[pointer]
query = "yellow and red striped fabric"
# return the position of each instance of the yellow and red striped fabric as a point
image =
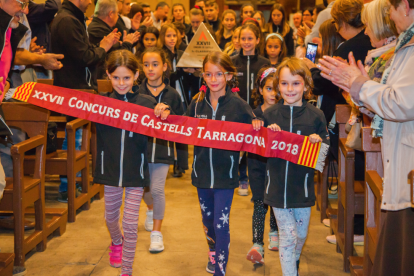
(23, 92)
(309, 153)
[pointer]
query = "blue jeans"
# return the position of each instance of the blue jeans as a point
(215, 208)
(293, 227)
(63, 187)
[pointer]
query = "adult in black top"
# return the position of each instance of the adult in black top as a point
(39, 17)
(69, 37)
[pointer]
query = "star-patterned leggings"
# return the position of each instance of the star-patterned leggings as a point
(293, 229)
(215, 208)
(259, 216)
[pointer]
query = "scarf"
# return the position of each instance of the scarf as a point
(377, 123)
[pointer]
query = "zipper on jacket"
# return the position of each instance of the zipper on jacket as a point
(141, 169)
(287, 162)
(252, 82)
(121, 161)
(211, 150)
(155, 140)
(268, 182)
(232, 164)
(306, 185)
(248, 74)
(168, 146)
(5, 34)
(102, 162)
(195, 159)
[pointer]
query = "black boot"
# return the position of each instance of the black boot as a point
(297, 266)
(177, 171)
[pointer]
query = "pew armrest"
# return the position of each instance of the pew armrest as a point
(374, 180)
(369, 144)
(24, 146)
(411, 182)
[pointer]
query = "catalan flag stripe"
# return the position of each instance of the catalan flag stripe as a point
(308, 156)
(302, 150)
(315, 160)
(23, 92)
(312, 159)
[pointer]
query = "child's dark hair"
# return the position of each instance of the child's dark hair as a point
(223, 60)
(163, 56)
(140, 46)
(256, 31)
(297, 67)
(260, 83)
(279, 37)
(122, 58)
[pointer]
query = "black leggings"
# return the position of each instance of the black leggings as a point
(259, 216)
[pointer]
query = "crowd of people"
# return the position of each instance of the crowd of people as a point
(261, 77)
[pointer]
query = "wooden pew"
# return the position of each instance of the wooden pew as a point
(45, 81)
(104, 86)
(25, 190)
(6, 264)
(321, 191)
(411, 182)
(350, 192)
(373, 195)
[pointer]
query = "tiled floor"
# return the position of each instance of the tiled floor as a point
(83, 249)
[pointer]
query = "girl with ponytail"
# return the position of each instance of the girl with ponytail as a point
(215, 171)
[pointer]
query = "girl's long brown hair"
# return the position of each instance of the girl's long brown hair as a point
(330, 38)
(220, 32)
(163, 31)
(285, 25)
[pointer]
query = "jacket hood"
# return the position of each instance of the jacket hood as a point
(69, 6)
(252, 57)
(223, 99)
(144, 89)
(297, 110)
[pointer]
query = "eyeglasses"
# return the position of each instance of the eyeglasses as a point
(218, 76)
(23, 4)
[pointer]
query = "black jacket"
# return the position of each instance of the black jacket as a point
(122, 159)
(178, 75)
(69, 37)
(290, 185)
(359, 45)
(288, 39)
(97, 30)
(162, 151)
(217, 168)
(16, 35)
(257, 167)
(247, 68)
(215, 24)
(39, 17)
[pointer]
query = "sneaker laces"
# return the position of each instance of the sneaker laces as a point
(212, 256)
(156, 238)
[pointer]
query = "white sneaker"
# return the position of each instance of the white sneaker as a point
(327, 222)
(149, 222)
(157, 244)
(358, 239)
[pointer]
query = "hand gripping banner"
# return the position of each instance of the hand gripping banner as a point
(186, 130)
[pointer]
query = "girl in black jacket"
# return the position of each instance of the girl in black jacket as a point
(215, 171)
(289, 187)
(161, 152)
(248, 62)
(169, 40)
(123, 164)
(264, 97)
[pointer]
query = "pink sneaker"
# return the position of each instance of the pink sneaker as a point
(115, 256)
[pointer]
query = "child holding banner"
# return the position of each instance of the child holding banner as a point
(161, 152)
(265, 97)
(117, 166)
(215, 171)
(289, 186)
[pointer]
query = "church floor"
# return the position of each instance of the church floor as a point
(83, 249)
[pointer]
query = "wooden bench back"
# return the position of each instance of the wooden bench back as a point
(31, 119)
(343, 112)
(45, 81)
